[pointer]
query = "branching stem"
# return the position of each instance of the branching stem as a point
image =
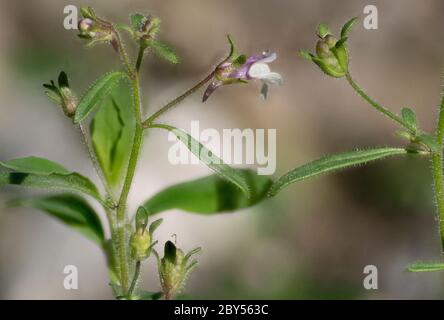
(377, 106)
(177, 100)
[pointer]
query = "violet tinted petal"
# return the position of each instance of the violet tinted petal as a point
(210, 89)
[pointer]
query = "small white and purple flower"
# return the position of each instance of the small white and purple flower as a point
(254, 68)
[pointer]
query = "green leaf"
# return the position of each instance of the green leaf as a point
(210, 195)
(71, 210)
(112, 132)
(163, 51)
(96, 93)
(347, 27)
(425, 267)
(34, 165)
(72, 182)
(331, 163)
(323, 30)
(409, 116)
(208, 158)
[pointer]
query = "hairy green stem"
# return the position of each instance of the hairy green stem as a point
(121, 208)
(437, 169)
(377, 106)
(139, 59)
(96, 165)
(135, 277)
(177, 100)
(123, 54)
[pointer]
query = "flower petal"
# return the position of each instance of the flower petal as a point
(259, 70)
(273, 78)
(268, 57)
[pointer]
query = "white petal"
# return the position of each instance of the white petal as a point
(273, 78)
(259, 70)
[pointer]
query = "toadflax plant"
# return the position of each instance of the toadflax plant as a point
(114, 138)
(109, 117)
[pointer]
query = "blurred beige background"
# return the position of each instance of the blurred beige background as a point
(315, 238)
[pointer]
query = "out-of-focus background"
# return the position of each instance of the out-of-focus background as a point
(315, 238)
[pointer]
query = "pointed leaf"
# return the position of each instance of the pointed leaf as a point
(426, 267)
(331, 163)
(112, 132)
(35, 165)
(163, 51)
(72, 210)
(61, 182)
(209, 195)
(347, 27)
(96, 93)
(207, 157)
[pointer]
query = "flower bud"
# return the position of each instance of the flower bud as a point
(69, 101)
(145, 28)
(140, 243)
(174, 269)
(331, 54)
(322, 49)
(62, 95)
(95, 29)
(330, 41)
(85, 24)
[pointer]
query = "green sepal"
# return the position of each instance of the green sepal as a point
(347, 27)
(409, 116)
(323, 30)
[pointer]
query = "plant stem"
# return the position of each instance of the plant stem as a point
(437, 168)
(123, 53)
(121, 208)
(377, 106)
(96, 164)
(136, 276)
(177, 100)
(139, 59)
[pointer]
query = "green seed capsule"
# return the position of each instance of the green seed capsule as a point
(139, 244)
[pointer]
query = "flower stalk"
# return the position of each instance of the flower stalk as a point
(437, 170)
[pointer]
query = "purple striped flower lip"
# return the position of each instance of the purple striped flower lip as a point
(255, 68)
